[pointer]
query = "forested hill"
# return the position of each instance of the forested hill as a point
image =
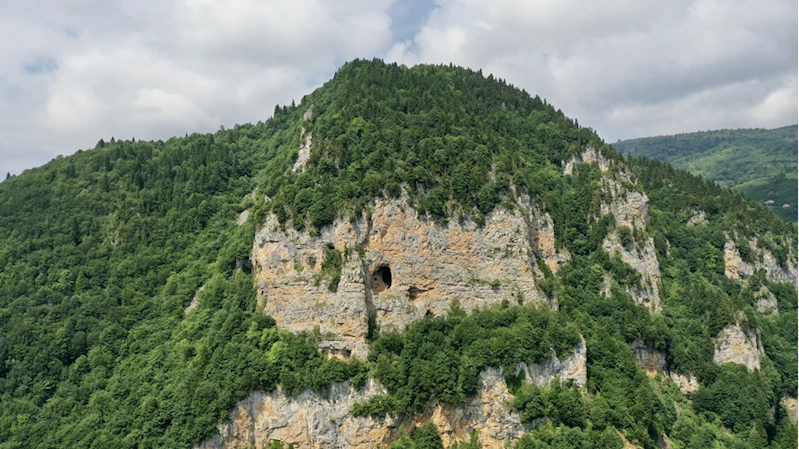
(129, 316)
(760, 163)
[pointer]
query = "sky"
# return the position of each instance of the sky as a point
(75, 71)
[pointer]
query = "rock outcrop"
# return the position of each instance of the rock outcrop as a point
(733, 345)
(766, 302)
(572, 368)
(736, 268)
(309, 420)
(654, 363)
(398, 267)
(789, 404)
(631, 210)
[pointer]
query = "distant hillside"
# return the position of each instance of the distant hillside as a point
(759, 163)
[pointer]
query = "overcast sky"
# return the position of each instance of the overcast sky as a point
(75, 71)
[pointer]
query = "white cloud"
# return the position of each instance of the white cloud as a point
(629, 68)
(152, 69)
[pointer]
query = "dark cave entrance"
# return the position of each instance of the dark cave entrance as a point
(381, 279)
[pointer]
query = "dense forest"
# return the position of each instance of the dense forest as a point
(127, 308)
(759, 163)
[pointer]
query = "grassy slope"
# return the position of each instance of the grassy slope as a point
(759, 163)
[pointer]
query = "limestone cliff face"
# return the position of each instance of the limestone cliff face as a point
(652, 361)
(736, 268)
(733, 345)
(309, 420)
(572, 368)
(398, 267)
(630, 208)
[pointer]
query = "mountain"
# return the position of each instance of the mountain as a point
(413, 258)
(759, 163)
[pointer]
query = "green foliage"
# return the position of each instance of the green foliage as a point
(331, 268)
(102, 252)
(444, 135)
(561, 404)
(442, 357)
(548, 436)
(756, 162)
(423, 437)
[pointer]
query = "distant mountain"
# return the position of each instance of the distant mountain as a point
(759, 163)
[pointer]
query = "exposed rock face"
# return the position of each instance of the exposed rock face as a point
(631, 209)
(698, 217)
(736, 268)
(789, 404)
(243, 216)
(307, 421)
(643, 260)
(305, 149)
(766, 301)
(487, 412)
(588, 156)
(686, 384)
(572, 368)
(652, 361)
(735, 346)
(312, 421)
(430, 266)
(303, 155)
(195, 301)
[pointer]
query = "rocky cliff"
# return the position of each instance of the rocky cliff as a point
(736, 268)
(396, 266)
(733, 345)
(310, 420)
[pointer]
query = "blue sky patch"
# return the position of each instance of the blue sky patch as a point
(41, 65)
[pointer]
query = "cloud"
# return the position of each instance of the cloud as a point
(82, 70)
(629, 68)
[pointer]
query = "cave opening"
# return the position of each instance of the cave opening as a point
(381, 279)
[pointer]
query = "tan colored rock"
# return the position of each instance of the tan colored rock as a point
(733, 345)
(789, 404)
(737, 268)
(734, 266)
(307, 421)
(488, 412)
(645, 262)
(686, 384)
(652, 361)
(430, 266)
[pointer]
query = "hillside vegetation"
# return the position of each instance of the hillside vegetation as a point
(102, 252)
(759, 163)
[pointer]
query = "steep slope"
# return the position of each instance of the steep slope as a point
(756, 162)
(463, 264)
